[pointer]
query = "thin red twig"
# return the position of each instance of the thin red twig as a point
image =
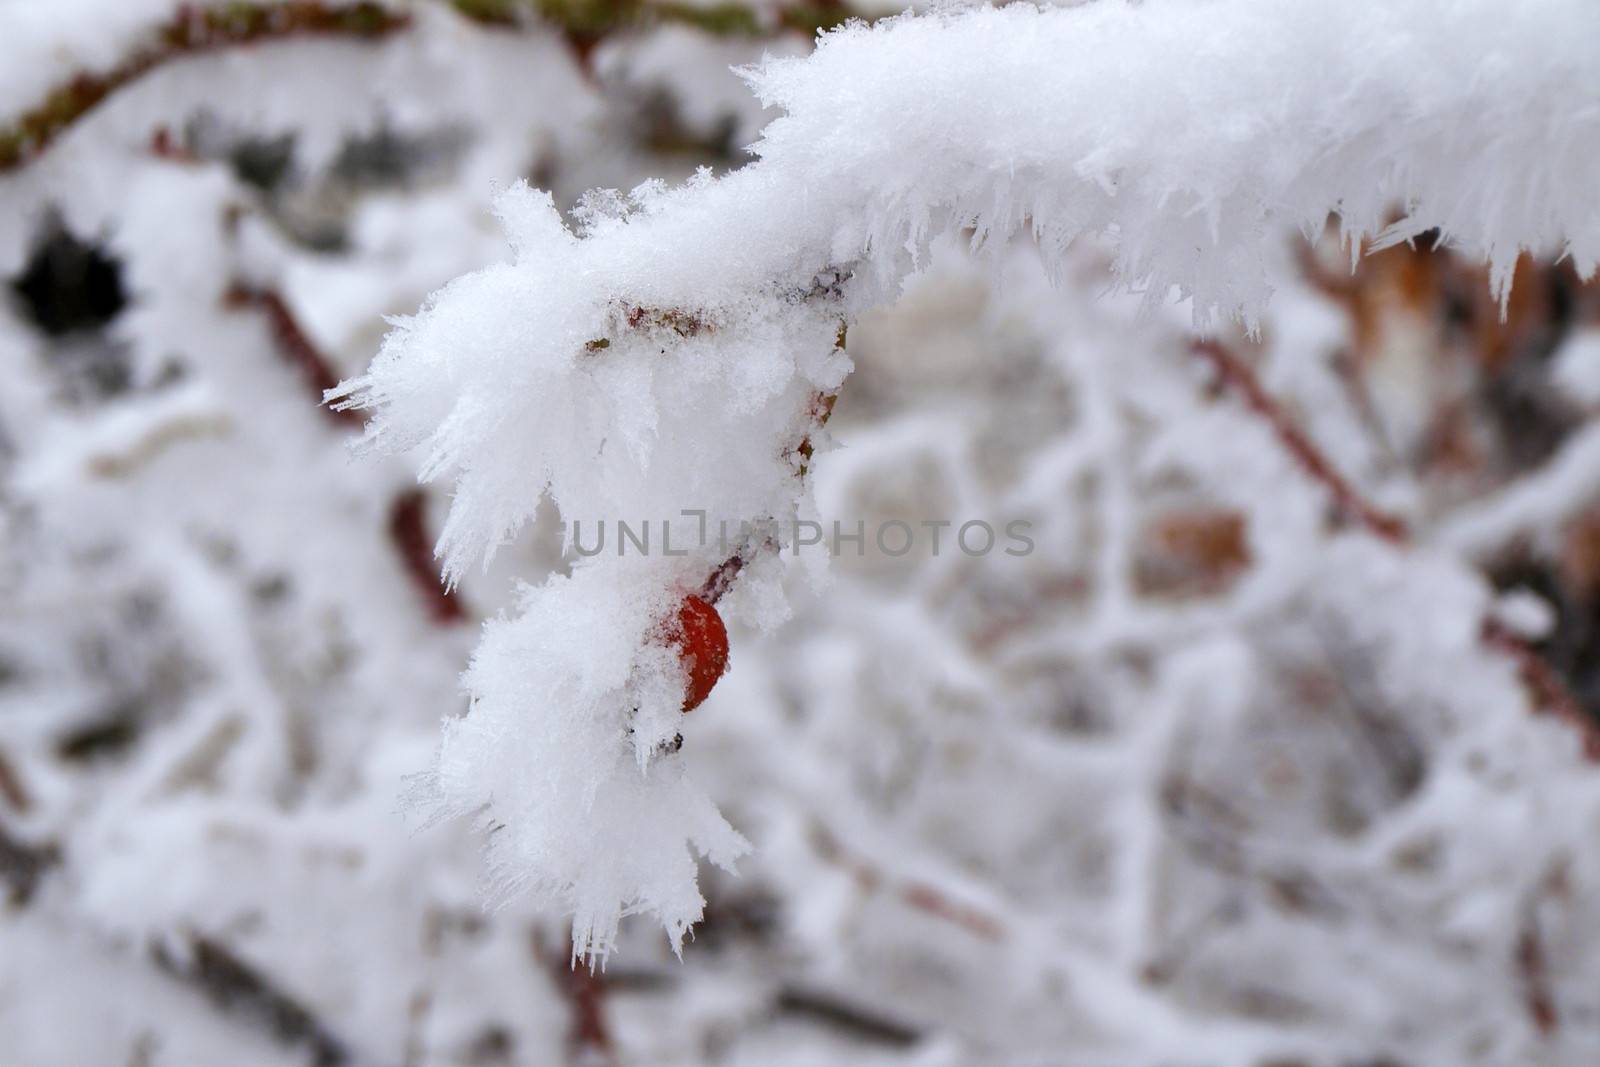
(920, 896)
(1235, 373)
(589, 1036)
(1531, 958)
(820, 411)
(408, 531)
(23, 864)
(589, 1040)
(1551, 694)
(1535, 971)
(408, 512)
(164, 145)
(11, 787)
(295, 345)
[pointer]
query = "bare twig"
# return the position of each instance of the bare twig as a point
(238, 988)
(801, 1001)
(841, 1015)
(22, 864)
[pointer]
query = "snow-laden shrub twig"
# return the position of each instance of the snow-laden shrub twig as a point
(1545, 686)
(1190, 135)
(192, 29)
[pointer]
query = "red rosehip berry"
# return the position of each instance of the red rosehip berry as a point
(701, 640)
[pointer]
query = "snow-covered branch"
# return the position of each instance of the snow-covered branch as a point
(1188, 136)
(1233, 762)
